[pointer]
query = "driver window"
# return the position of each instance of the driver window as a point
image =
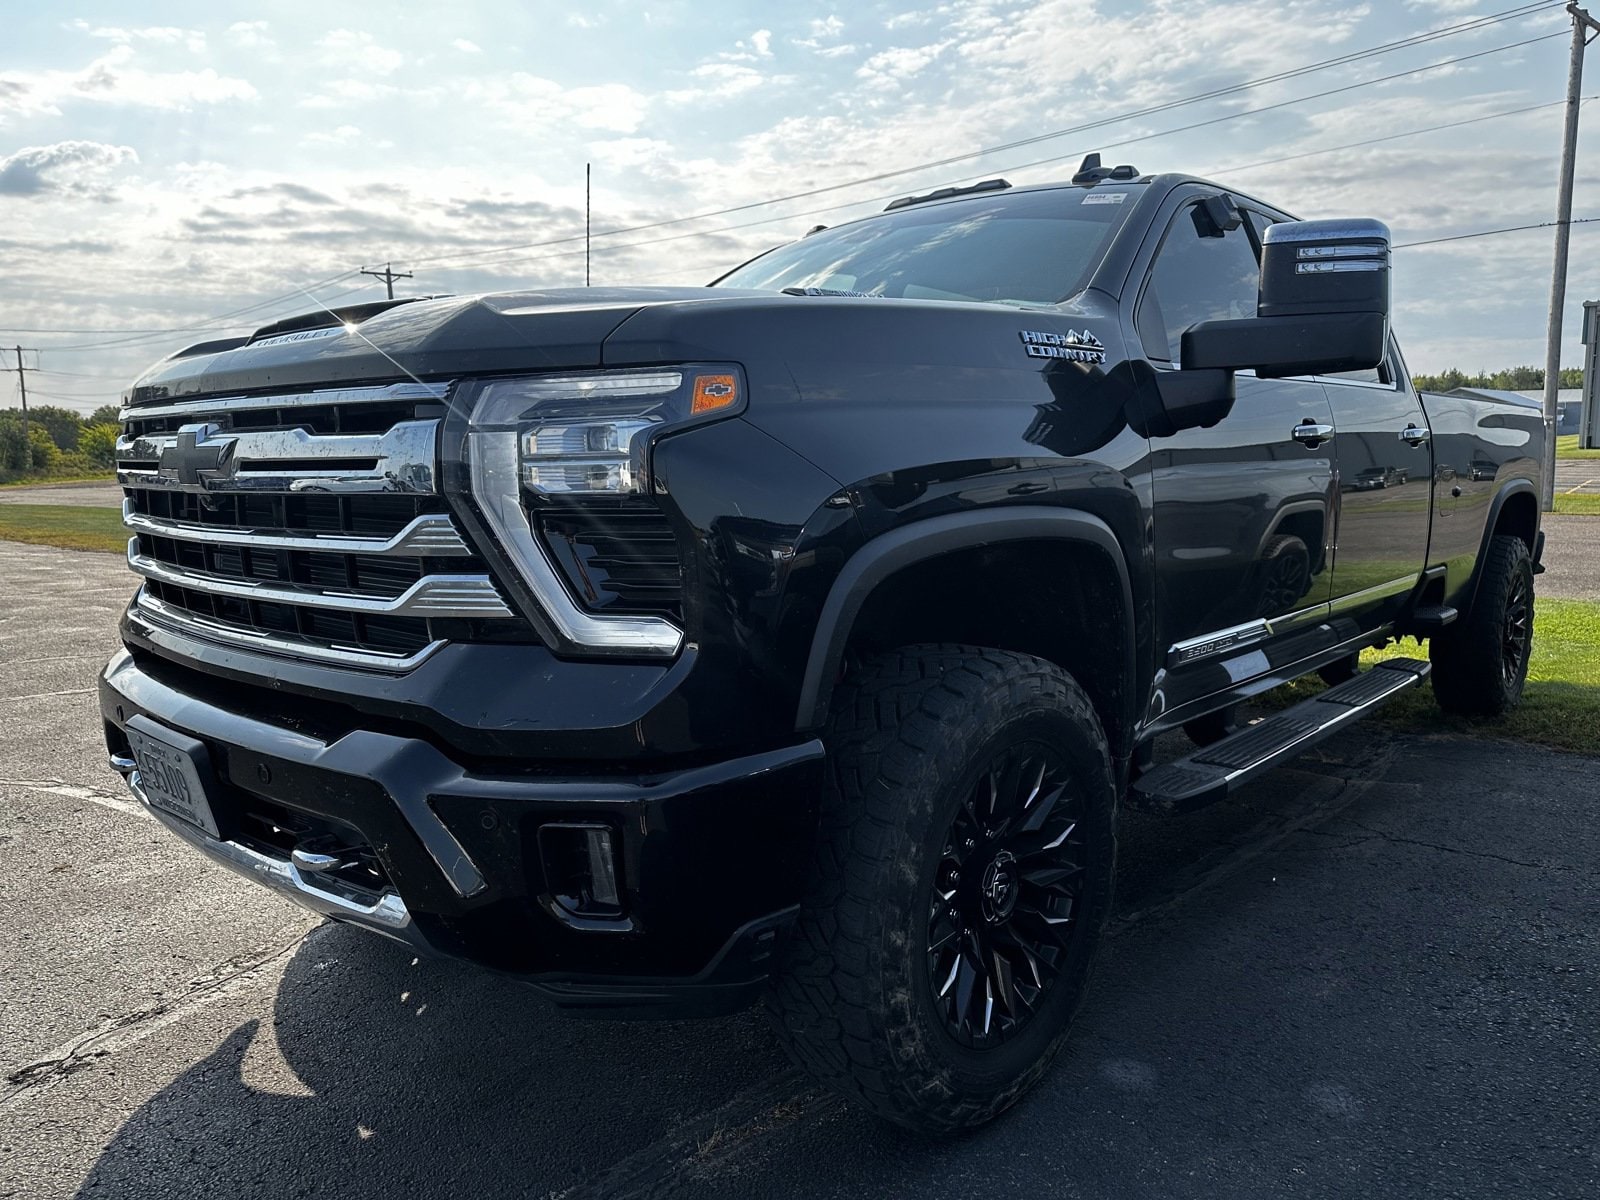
(1195, 278)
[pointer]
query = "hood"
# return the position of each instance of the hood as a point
(559, 329)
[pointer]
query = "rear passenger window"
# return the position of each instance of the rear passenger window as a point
(1194, 279)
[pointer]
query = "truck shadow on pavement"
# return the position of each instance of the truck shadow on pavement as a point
(414, 1078)
(423, 1078)
(1358, 978)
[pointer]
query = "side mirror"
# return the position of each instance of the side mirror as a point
(1323, 305)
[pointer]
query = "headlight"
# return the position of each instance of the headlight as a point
(532, 440)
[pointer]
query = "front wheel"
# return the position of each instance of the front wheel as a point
(1480, 663)
(961, 883)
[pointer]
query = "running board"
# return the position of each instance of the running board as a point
(1213, 771)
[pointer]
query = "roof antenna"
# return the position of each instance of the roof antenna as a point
(1091, 171)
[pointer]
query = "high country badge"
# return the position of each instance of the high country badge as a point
(1074, 346)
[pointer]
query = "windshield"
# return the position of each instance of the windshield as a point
(1017, 248)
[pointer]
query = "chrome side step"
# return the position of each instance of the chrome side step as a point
(1213, 771)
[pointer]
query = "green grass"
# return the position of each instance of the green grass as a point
(1560, 708)
(38, 481)
(1583, 504)
(71, 526)
(1567, 447)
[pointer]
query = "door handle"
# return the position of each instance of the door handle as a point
(1413, 435)
(1309, 433)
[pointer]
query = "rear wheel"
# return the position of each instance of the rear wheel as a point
(1480, 663)
(961, 883)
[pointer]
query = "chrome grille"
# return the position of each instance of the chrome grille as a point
(307, 525)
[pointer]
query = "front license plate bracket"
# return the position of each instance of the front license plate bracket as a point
(174, 772)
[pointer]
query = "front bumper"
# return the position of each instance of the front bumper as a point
(710, 857)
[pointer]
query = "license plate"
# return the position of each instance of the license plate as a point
(171, 767)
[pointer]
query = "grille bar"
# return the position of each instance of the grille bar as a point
(430, 596)
(196, 410)
(430, 535)
(160, 613)
(205, 457)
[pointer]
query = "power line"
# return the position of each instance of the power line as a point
(388, 275)
(1216, 93)
(142, 337)
(1033, 163)
(1461, 237)
(22, 387)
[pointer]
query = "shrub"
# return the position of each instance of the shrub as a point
(63, 424)
(98, 444)
(46, 454)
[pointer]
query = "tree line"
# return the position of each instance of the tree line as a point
(1510, 379)
(59, 443)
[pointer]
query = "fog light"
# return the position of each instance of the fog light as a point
(580, 868)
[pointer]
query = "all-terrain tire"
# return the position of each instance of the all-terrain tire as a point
(1480, 663)
(914, 740)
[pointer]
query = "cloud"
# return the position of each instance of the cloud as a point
(250, 33)
(114, 78)
(353, 48)
(193, 40)
(70, 168)
(466, 47)
(761, 42)
(532, 100)
(891, 68)
(343, 135)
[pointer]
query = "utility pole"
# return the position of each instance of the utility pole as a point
(22, 386)
(1582, 23)
(388, 276)
(587, 167)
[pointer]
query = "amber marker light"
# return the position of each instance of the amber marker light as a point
(712, 392)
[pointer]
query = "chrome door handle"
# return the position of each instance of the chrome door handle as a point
(1312, 434)
(1413, 435)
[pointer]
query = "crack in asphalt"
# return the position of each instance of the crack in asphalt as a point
(1376, 834)
(84, 1051)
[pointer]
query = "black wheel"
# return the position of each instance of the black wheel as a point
(1283, 575)
(1214, 726)
(1480, 663)
(962, 879)
(1341, 670)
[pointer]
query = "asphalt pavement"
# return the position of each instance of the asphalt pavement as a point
(1577, 476)
(1372, 973)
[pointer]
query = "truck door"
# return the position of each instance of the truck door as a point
(1385, 462)
(1242, 510)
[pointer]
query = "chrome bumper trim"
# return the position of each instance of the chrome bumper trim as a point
(389, 916)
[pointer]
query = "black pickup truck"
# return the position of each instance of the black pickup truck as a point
(799, 636)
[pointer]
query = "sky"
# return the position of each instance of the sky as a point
(164, 166)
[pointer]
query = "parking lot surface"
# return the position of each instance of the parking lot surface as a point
(1373, 973)
(93, 495)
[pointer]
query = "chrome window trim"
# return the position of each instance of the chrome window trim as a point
(432, 535)
(158, 613)
(430, 596)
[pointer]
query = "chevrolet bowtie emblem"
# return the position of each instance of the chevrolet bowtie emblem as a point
(197, 456)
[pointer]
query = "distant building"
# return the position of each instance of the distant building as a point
(1569, 403)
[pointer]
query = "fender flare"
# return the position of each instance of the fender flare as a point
(1511, 488)
(927, 538)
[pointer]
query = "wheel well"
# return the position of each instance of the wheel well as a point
(1519, 516)
(1058, 600)
(1307, 526)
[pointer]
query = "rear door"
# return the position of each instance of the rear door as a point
(1242, 511)
(1384, 456)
